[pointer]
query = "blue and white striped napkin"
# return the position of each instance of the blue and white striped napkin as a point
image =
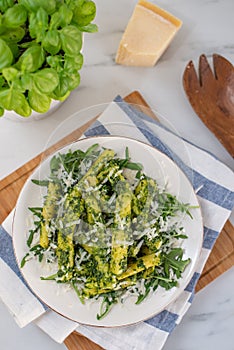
(214, 184)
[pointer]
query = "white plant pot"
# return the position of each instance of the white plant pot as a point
(11, 115)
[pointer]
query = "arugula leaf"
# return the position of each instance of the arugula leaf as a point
(91, 149)
(133, 166)
(78, 292)
(50, 278)
(108, 301)
(127, 156)
(40, 182)
(36, 210)
(24, 260)
(30, 238)
(126, 163)
(149, 285)
(54, 164)
(169, 205)
(173, 261)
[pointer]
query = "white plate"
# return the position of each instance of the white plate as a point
(64, 300)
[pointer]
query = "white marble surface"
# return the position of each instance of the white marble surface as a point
(208, 28)
(207, 325)
(209, 322)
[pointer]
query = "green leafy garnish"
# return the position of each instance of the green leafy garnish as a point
(173, 261)
(107, 302)
(40, 51)
(108, 230)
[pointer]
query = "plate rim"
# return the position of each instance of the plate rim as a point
(179, 291)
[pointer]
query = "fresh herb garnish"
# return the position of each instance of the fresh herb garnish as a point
(108, 235)
(40, 50)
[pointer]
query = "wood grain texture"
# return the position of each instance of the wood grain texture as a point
(220, 259)
(77, 341)
(212, 96)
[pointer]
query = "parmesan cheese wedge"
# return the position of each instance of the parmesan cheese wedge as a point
(148, 33)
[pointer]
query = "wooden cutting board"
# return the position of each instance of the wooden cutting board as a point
(220, 259)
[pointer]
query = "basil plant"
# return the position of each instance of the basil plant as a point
(40, 51)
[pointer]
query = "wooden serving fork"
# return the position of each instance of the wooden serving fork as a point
(211, 95)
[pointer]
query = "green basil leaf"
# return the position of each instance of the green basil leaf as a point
(55, 62)
(73, 63)
(90, 28)
(15, 16)
(20, 105)
(33, 5)
(71, 39)
(27, 81)
(17, 85)
(5, 4)
(60, 98)
(2, 81)
(6, 56)
(1, 111)
(67, 81)
(73, 80)
(55, 20)
(39, 102)
(65, 15)
(38, 24)
(13, 35)
(10, 73)
(32, 59)
(51, 42)
(14, 49)
(84, 13)
(11, 99)
(63, 85)
(45, 80)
